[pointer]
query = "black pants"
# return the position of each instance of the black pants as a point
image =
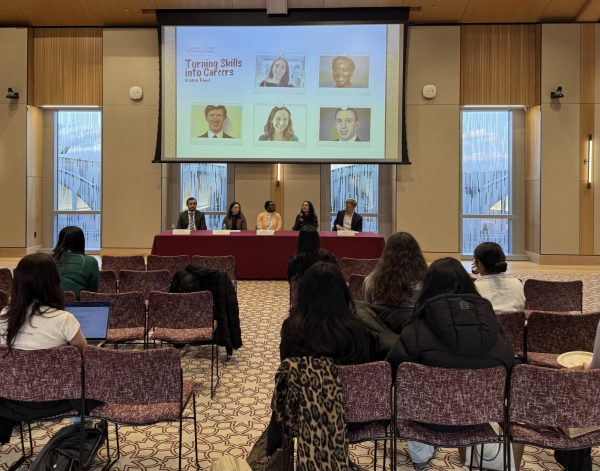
(574, 460)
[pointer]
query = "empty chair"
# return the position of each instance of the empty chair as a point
(470, 398)
(513, 326)
(224, 263)
(356, 287)
(143, 387)
(108, 282)
(558, 296)
(367, 401)
(357, 266)
(183, 318)
(127, 315)
(552, 333)
(117, 263)
(172, 263)
(144, 281)
(70, 296)
(6, 280)
(543, 400)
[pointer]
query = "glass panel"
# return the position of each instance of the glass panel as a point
(215, 221)
(208, 184)
(89, 223)
(478, 230)
(358, 181)
(487, 162)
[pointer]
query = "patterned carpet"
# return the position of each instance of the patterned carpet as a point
(241, 409)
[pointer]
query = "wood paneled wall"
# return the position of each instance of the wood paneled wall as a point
(67, 66)
(500, 65)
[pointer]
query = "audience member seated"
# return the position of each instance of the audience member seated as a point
(348, 219)
(234, 219)
(269, 219)
(504, 292)
(452, 327)
(308, 252)
(306, 217)
(394, 286)
(78, 272)
(34, 320)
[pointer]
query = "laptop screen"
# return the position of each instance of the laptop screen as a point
(92, 316)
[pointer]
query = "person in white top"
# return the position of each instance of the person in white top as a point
(35, 319)
(504, 292)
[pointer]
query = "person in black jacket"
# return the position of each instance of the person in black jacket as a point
(452, 326)
(306, 217)
(348, 219)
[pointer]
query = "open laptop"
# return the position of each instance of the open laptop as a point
(92, 316)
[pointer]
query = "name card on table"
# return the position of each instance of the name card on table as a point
(346, 233)
(221, 232)
(180, 231)
(265, 232)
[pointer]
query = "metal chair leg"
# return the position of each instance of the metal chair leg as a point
(180, 440)
(195, 431)
(375, 456)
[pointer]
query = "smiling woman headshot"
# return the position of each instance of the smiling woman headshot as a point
(279, 74)
(279, 126)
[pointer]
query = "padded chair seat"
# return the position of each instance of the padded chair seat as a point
(551, 438)
(359, 432)
(125, 334)
(182, 335)
(469, 435)
(547, 360)
(136, 414)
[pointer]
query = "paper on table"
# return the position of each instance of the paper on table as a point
(346, 233)
(265, 232)
(180, 231)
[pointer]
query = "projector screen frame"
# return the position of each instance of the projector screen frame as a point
(295, 17)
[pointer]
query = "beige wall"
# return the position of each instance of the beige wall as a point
(35, 176)
(252, 189)
(131, 198)
(13, 138)
(428, 190)
(302, 182)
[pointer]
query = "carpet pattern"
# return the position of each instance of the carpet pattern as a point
(232, 422)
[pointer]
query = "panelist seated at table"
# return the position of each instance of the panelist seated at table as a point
(234, 219)
(191, 219)
(269, 219)
(348, 219)
(306, 217)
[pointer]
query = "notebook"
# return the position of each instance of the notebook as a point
(92, 316)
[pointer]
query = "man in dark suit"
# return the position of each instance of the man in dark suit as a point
(348, 219)
(347, 124)
(215, 117)
(191, 219)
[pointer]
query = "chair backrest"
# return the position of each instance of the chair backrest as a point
(108, 282)
(6, 280)
(357, 266)
(356, 286)
(551, 397)
(513, 326)
(144, 281)
(117, 263)
(126, 309)
(41, 375)
(558, 296)
(70, 296)
(180, 310)
(224, 263)
(137, 377)
(454, 396)
(173, 263)
(367, 391)
(3, 299)
(555, 332)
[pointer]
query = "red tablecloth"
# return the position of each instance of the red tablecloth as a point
(263, 257)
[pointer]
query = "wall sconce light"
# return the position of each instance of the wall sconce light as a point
(557, 93)
(12, 95)
(278, 177)
(589, 160)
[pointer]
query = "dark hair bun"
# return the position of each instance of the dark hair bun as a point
(501, 267)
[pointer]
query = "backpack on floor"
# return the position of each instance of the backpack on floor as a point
(61, 453)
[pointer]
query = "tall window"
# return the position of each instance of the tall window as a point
(208, 184)
(487, 179)
(361, 182)
(78, 163)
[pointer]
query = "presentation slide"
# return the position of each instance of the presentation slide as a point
(282, 93)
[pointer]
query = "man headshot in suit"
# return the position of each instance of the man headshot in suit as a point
(348, 219)
(342, 68)
(215, 117)
(191, 219)
(347, 124)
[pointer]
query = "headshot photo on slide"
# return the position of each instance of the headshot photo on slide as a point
(279, 70)
(280, 123)
(345, 124)
(344, 71)
(216, 121)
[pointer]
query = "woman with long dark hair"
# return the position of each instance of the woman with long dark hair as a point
(77, 270)
(306, 217)
(279, 74)
(308, 252)
(234, 219)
